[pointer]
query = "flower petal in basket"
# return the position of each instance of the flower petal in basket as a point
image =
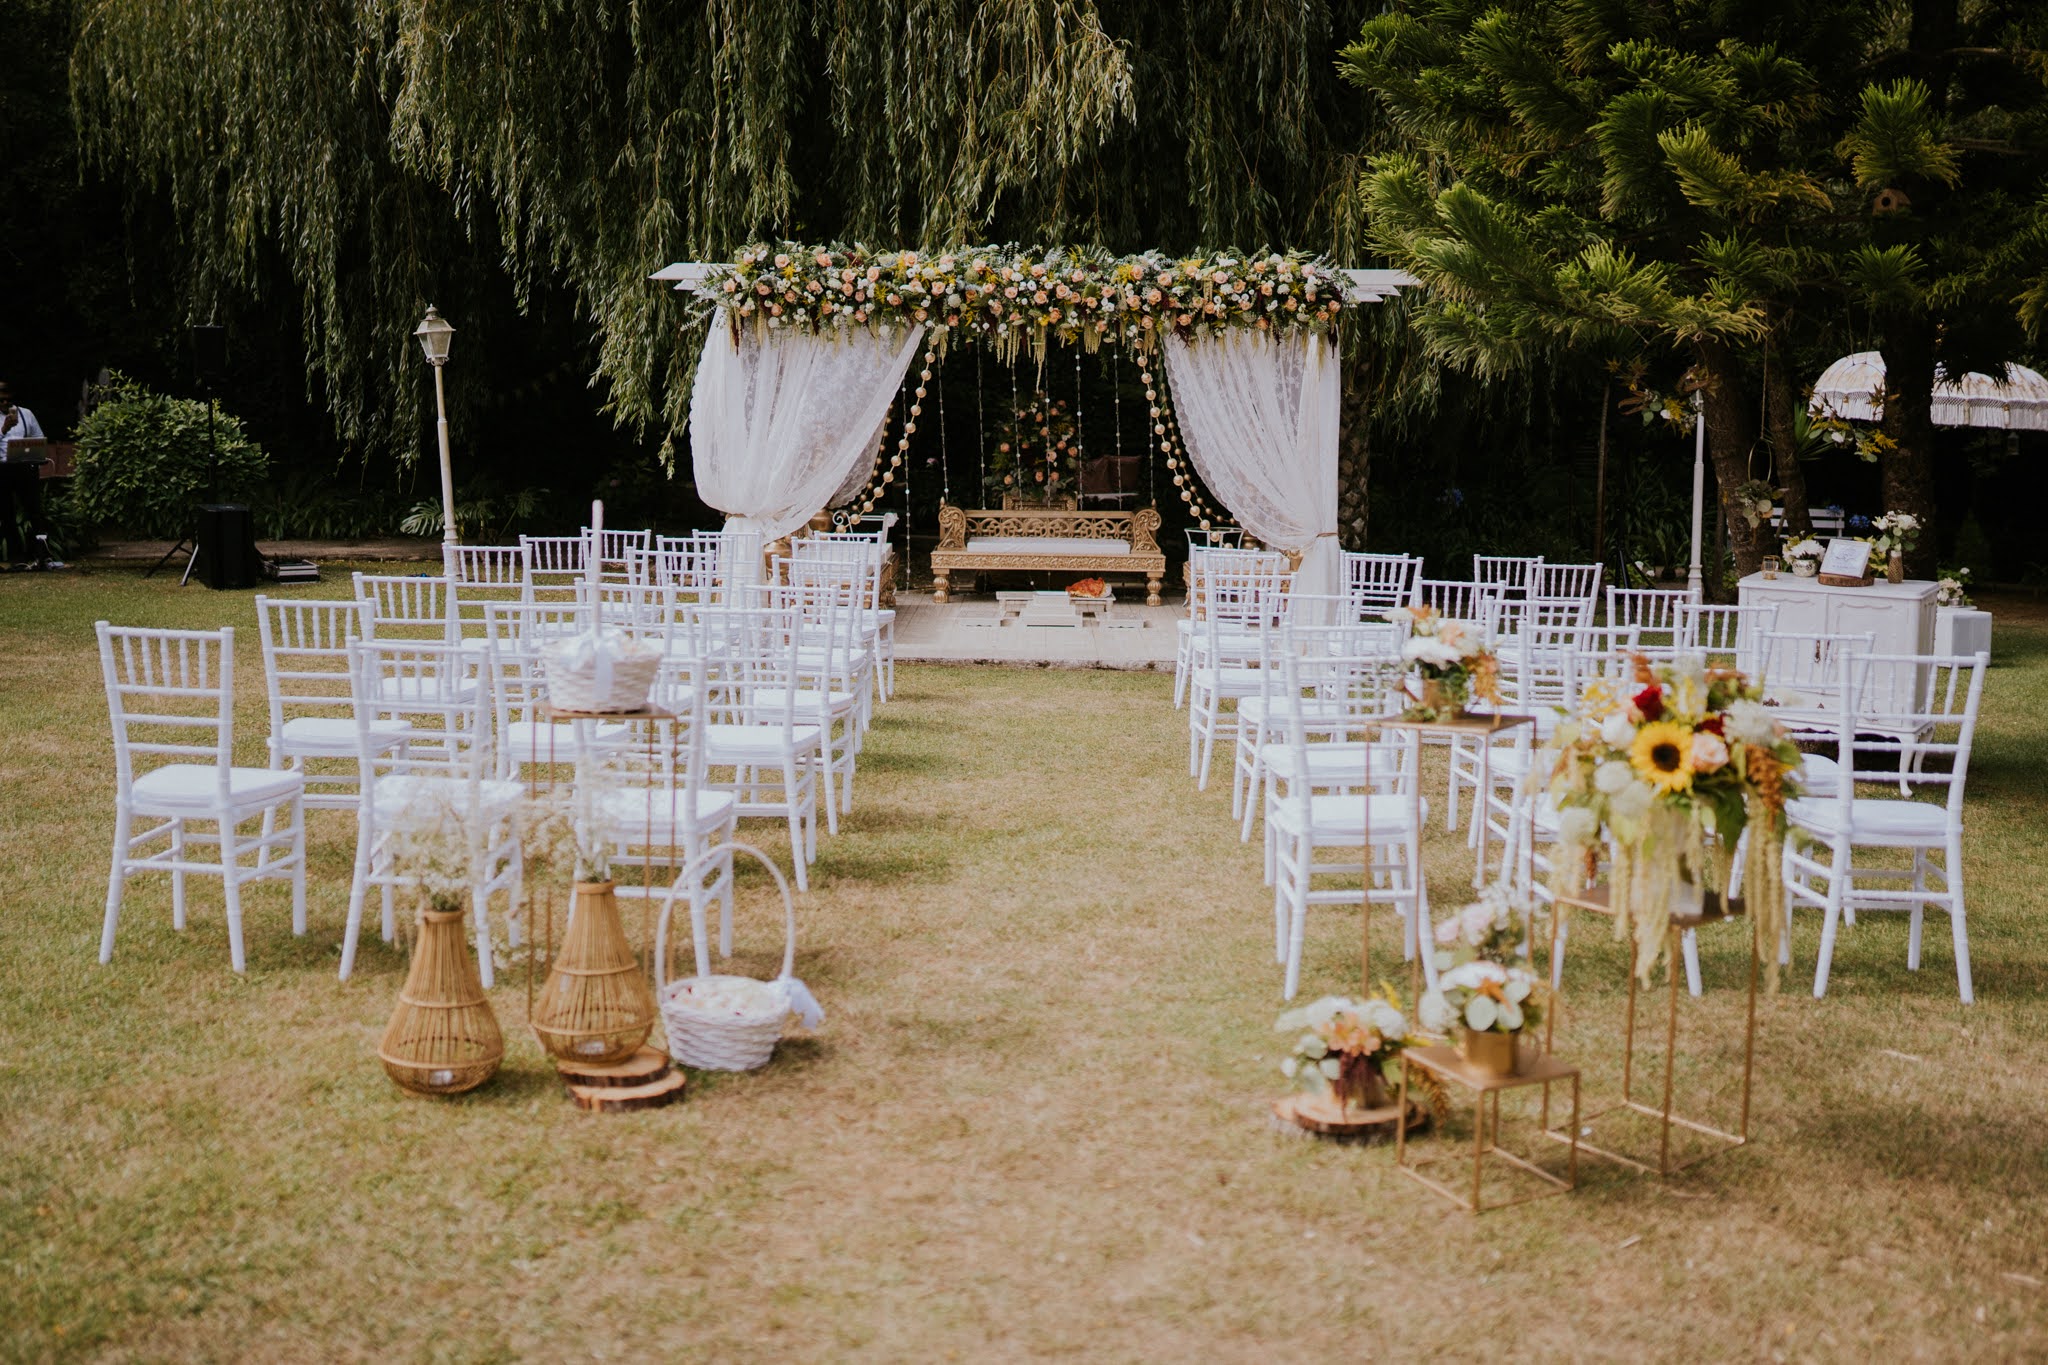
(599, 671)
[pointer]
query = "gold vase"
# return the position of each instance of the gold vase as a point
(1436, 697)
(1895, 568)
(1365, 1090)
(442, 1038)
(596, 1005)
(1491, 1052)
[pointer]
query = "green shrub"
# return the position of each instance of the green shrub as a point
(145, 463)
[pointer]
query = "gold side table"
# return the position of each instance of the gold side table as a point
(1449, 1068)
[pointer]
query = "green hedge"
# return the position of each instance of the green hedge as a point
(144, 461)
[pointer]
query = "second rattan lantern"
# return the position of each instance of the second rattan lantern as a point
(596, 1005)
(442, 1038)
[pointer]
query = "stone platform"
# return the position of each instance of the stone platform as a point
(1034, 628)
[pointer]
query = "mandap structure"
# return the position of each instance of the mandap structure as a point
(809, 345)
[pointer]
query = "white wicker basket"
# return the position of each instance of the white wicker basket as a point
(728, 1023)
(604, 673)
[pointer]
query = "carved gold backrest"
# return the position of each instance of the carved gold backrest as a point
(1139, 528)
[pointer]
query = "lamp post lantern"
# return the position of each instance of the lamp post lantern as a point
(434, 334)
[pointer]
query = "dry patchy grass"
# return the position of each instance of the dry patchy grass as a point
(1035, 1123)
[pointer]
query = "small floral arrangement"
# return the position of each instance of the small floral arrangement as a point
(1897, 533)
(1672, 768)
(1351, 1048)
(1485, 997)
(1754, 502)
(1449, 654)
(1807, 551)
(1026, 293)
(1494, 928)
(1952, 588)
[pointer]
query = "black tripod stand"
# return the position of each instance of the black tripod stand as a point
(209, 360)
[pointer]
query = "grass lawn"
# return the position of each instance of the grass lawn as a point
(1035, 1122)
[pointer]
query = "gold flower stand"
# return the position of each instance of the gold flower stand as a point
(1712, 911)
(1444, 1063)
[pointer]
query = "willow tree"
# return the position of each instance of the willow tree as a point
(1696, 179)
(352, 149)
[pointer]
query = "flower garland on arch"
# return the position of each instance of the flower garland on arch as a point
(1026, 297)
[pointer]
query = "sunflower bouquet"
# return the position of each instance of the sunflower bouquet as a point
(1668, 769)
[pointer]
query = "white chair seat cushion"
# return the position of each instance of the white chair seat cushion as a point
(1231, 682)
(1332, 764)
(337, 735)
(527, 741)
(196, 786)
(1873, 821)
(725, 745)
(1340, 816)
(497, 798)
(1819, 776)
(1260, 709)
(629, 813)
(1046, 545)
(773, 699)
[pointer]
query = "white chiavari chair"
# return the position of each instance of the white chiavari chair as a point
(1901, 710)
(171, 701)
(1726, 635)
(1510, 575)
(479, 574)
(1654, 614)
(306, 676)
(1367, 814)
(1191, 637)
(1236, 606)
(1580, 582)
(443, 772)
(556, 566)
(760, 742)
(1376, 584)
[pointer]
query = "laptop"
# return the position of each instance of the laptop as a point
(27, 450)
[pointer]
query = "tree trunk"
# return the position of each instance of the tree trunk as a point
(1781, 403)
(1908, 467)
(1731, 437)
(1354, 460)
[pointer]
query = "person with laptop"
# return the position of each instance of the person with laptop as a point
(21, 485)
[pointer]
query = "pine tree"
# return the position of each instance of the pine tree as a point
(1712, 182)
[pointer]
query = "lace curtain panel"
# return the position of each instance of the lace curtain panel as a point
(1259, 414)
(781, 422)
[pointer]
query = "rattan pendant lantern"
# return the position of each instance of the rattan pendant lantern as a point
(442, 1038)
(596, 1005)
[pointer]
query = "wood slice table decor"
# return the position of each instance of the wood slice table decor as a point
(1325, 1117)
(443, 1038)
(648, 1064)
(644, 1080)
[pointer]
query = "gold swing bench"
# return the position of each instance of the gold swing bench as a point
(1017, 539)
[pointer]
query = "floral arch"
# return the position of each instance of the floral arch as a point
(809, 344)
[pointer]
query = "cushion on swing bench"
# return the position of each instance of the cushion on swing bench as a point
(1046, 545)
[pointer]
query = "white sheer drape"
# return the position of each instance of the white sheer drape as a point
(781, 421)
(1259, 414)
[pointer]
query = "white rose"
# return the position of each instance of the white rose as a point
(1631, 803)
(1613, 776)
(1577, 825)
(1616, 732)
(1434, 1011)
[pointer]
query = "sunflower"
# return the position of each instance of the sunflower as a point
(1662, 756)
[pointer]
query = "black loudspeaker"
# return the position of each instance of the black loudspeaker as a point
(227, 546)
(210, 355)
